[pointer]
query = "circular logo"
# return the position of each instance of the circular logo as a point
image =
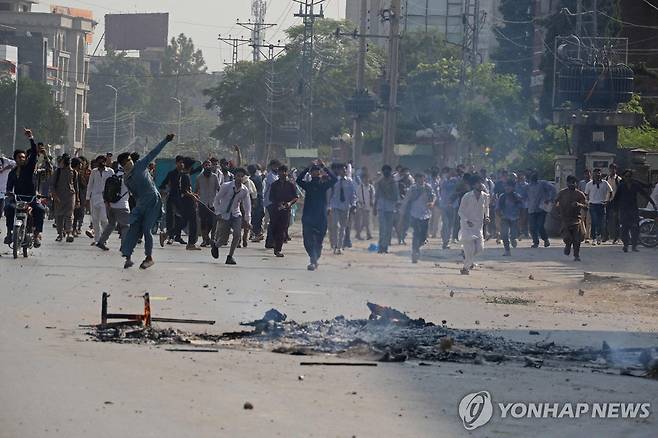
(475, 409)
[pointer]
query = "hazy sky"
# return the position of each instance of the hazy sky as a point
(202, 20)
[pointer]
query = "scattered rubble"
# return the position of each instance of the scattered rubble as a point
(389, 335)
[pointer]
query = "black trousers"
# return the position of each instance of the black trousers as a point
(630, 227)
(171, 221)
(314, 235)
(279, 221)
(257, 215)
(188, 209)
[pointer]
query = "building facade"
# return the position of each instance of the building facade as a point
(444, 16)
(52, 48)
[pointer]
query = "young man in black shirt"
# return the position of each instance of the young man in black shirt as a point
(283, 196)
(625, 202)
(21, 182)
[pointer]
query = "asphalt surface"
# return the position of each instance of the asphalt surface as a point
(56, 382)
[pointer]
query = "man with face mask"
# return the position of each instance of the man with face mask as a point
(314, 217)
(207, 186)
(95, 201)
(148, 207)
(65, 193)
(21, 182)
(570, 203)
(387, 200)
(473, 214)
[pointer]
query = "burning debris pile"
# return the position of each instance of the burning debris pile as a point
(391, 336)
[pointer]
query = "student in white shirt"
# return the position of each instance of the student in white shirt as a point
(95, 200)
(598, 194)
(231, 201)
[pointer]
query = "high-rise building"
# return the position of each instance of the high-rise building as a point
(52, 47)
(444, 16)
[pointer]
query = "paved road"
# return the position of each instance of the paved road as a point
(55, 382)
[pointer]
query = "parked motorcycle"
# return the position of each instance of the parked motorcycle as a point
(648, 227)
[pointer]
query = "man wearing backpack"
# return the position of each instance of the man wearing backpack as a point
(116, 197)
(95, 200)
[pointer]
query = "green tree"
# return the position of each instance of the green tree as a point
(644, 136)
(35, 110)
(490, 114)
(515, 36)
(241, 96)
(129, 75)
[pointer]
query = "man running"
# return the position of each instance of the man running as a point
(232, 199)
(148, 207)
(418, 205)
(387, 200)
(283, 196)
(314, 217)
(626, 203)
(571, 203)
(473, 213)
(95, 201)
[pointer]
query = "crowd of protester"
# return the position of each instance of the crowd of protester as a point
(222, 204)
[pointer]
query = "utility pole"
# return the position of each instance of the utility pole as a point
(114, 133)
(308, 15)
(357, 130)
(180, 116)
(235, 43)
(270, 56)
(392, 78)
(256, 25)
(472, 23)
(18, 73)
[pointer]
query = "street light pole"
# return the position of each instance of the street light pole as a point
(16, 106)
(114, 135)
(180, 115)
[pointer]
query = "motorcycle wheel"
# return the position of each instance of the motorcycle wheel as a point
(17, 241)
(649, 234)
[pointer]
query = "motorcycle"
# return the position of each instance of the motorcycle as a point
(648, 228)
(22, 238)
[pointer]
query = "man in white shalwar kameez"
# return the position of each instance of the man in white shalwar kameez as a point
(473, 214)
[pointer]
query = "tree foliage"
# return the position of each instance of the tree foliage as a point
(515, 37)
(146, 93)
(35, 109)
(242, 96)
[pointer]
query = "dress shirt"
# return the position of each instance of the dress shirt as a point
(240, 198)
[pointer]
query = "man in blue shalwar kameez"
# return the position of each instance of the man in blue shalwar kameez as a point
(148, 209)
